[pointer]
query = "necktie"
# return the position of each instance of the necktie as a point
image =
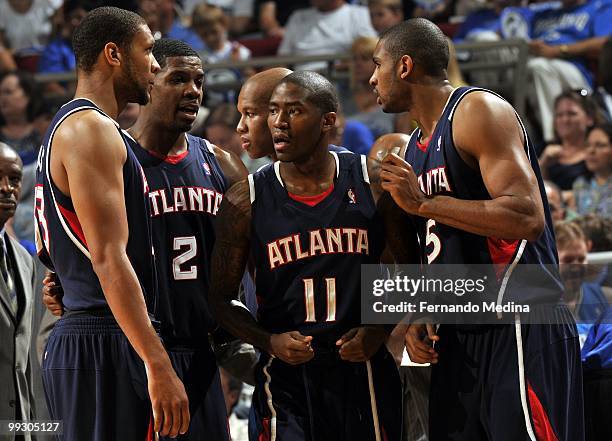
(6, 275)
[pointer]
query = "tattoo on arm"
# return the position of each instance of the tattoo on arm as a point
(229, 260)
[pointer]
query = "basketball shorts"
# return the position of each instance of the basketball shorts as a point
(198, 371)
(517, 382)
(95, 382)
(326, 399)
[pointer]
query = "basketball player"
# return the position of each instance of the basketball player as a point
(485, 205)
(309, 221)
(253, 107)
(187, 177)
(103, 360)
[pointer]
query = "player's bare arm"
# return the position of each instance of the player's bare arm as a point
(231, 165)
(489, 138)
(92, 176)
(229, 260)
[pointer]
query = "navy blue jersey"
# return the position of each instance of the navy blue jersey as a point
(440, 170)
(61, 244)
(308, 258)
(185, 192)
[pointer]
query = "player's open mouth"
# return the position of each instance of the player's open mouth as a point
(191, 110)
(8, 204)
(246, 143)
(281, 141)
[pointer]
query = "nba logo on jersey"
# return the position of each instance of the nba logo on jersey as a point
(351, 195)
(206, 168)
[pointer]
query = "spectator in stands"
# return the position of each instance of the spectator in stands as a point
(18, 100)
(562, 41)
(359, 103)
(563, 161)
(591, 308)
(558, 210)
(594, 194)
(385, 13)
(328, 27)
(240, 13)
(221, 130)
(273, 15)
(58, 55)
(161, 18)
(26, 25)
(211, 24)
(434, 10)
(598, 231)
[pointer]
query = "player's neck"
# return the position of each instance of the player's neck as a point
(100, 91)
(428, 104)
(156, 139)
(311, 176)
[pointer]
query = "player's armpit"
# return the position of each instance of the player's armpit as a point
(232, 225)
(231, 165)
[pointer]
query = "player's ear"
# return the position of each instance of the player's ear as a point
(406, 65)
(112, 54)
(329, 121)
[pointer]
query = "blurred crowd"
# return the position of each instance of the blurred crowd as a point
(568, 87)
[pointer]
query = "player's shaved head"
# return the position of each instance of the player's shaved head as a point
(7, 152)
(260, 86)
(423, 41)
(320, 91)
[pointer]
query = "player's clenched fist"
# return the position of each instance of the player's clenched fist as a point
(360, 344)
(292, 347)
(419, 343)
(399, 180)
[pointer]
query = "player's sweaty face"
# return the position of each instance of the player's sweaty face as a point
(255, 137)
(177, 93)
(295, 123)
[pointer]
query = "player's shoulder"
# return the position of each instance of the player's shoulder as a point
(90, 128)
(231, 165)
(481, 106)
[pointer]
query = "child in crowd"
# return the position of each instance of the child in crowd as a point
(385, 13)
(211, 25)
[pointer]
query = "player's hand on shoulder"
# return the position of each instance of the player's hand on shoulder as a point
(291, 347)
(53, 294)
(232, 166)
(419, 343)
(168, 400)
(360, 344)
(398, 178)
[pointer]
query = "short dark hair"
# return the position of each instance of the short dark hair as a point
(423, 41)
(321, 92)
(169, 47)
(99, 27)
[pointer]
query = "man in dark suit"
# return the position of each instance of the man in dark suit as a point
(17, 277)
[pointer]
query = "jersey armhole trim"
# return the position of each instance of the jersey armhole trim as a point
(251, 188)
(364, 168)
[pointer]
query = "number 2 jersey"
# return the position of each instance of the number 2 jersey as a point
(308, 258)
(441, 170)
(185, 192)
(61, 244)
